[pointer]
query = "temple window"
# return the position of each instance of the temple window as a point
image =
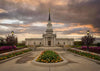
(58, 42)
(34, 43)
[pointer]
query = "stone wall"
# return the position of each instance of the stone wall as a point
(58, 41)
(65, 41)
(34, 42)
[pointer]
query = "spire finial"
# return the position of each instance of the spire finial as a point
(49, 10)
(49, 15)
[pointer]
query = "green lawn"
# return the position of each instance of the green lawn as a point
(14, 54)
(21, 46)
(90, 55)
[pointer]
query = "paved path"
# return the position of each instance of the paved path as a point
(76, 63)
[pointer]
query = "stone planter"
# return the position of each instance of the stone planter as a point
(49, 64)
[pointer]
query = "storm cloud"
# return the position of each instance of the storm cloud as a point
(66, 13)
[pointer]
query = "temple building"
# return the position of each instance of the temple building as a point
(49, 38)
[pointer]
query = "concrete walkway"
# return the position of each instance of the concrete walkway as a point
(76, 63)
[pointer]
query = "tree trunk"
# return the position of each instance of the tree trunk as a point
(87, 47)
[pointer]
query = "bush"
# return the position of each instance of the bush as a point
(38, 45)
(7, 48)
(77, 42)
(98, 44)
(2, 43)
(21, 45)
(92, 49)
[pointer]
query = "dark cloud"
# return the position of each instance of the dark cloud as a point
(76, 30)
(18, 29)
(77, 11)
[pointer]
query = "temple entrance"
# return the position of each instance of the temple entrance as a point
(49, 43)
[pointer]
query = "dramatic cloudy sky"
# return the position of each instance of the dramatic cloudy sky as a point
(70, 18)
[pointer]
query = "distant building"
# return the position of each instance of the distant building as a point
(97, 40)
(2, 39)
(49, 39)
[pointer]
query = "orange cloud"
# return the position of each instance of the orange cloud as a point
(61, 2)
(77, 26)
(52, 23)
(63, 29)
(3, 11)
(88, 26)
(22, 30)
(57, 23)
(25, 2)
(75, 34)
(25, 25)
(30, 3)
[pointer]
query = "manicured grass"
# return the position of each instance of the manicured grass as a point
(49, 57)
(14, 54)
(85, 54)
(21, 46)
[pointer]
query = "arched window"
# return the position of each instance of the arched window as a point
(34, 43)
(58, 42)
(64, 43)
(40, 43)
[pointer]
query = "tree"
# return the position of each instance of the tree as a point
(11, 40)
(98, 44)
(77, 42)
(88, 40)
(2, 42)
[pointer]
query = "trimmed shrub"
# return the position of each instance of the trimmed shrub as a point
(2, 48)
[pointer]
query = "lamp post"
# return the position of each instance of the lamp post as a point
(12, 32)
(88, 39)
(88, 33)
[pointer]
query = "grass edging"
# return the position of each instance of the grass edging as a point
(86, 54)
(14, 54)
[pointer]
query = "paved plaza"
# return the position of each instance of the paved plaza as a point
(75, 62)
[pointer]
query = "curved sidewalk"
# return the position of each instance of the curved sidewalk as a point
(76, 63)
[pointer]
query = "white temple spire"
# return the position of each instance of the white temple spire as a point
(49, 25)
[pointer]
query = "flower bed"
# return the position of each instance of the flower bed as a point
(49, 57)
(13, 54)
(87, 54)
(92, 49)
(7, 48)
(4, 49)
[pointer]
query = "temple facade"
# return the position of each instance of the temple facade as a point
(49, 39)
